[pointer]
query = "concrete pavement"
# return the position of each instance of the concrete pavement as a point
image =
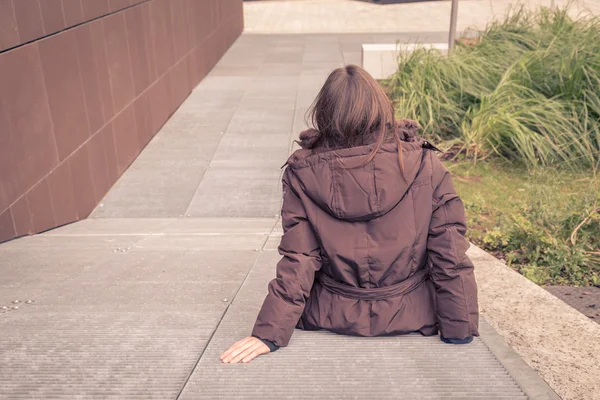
(138, 301)
(349, 16)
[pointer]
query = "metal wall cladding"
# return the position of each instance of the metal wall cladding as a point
(84, 86)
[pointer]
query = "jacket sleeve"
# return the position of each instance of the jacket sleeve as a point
(300, 261)
(451, 269)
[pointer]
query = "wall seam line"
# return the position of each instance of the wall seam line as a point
(135, 98)
(52, 125)
(62, 10)
(12, 3)
(110, 80)
(42, 16)
(87, 116)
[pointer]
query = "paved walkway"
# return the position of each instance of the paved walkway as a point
(138, 301)
(350, 16)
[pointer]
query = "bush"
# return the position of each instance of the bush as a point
(526, 90)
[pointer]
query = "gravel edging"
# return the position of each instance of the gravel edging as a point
(557, 341)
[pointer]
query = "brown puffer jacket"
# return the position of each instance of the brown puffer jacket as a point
(368, 253)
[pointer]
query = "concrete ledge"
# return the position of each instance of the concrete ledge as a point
(381, 60)
(557, 341)
(532, 384)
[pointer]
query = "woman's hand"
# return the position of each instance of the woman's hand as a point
(244, 351)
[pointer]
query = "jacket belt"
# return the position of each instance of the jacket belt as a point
(381, 293)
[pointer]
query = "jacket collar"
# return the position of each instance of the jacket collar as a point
(407, 130)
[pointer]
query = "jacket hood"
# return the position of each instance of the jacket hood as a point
(336, 181)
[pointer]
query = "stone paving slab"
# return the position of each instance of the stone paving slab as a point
(208, 100)
(111, 226)
(26, 273)
(256, 104)
(191, 267)
(239, 226)
(163, 179)
(251, 151)
(166, 295)
(97, 355)
(43, 244)
(238, 193)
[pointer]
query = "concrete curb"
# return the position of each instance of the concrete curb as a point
(558, 342)
(532, 384)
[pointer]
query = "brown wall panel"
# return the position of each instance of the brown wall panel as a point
(52, 15)
(62, 194)
(9, 32)
(159, 102)
(40, 207)
(21, 217)
(143, 118)
(7, 229)
(179, 83)
(94, 8)
(83, 186)
(99, 165)
(110, 151)
(114, 5)
(99, 45)
(64, 86)
(126, 138)
(162, 35)
(27, 144)
(137, 34)
(119, 62)
(73, 11)
(23, 21)
(88, 66)
(29, 19)
(80, 101)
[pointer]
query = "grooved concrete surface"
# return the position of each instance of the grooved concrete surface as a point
(320, 365)
(179, 254)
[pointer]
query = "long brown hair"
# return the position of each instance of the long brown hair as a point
(352, 109)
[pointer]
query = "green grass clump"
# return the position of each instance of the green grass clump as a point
(524, 97)
(545, 224)
(527, 90)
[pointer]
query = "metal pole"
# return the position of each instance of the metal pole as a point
(453, 16)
